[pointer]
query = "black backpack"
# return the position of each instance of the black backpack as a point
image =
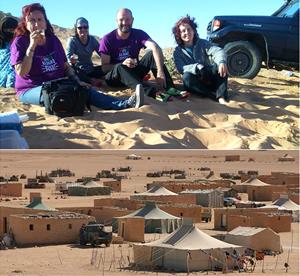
(64, 98)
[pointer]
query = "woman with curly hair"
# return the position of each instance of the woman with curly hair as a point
(202, 64)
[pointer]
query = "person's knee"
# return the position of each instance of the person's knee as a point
(119, 67)
(148, 56)
(148, 53)
(187, 79)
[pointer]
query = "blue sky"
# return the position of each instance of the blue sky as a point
(156, 17)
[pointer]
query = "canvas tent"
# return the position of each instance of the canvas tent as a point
(37, 204)
(89, 188)
(154, 191)
(256, 238)
(252, 181)
(289, 205)
(187, 249)
(156, 220)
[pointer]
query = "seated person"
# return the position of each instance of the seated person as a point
(120, 57)
(7, 73)
(38, 56)
(80, 48)
(202, 64)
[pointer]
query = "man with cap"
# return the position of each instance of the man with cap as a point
(80, 48)
(120, 57)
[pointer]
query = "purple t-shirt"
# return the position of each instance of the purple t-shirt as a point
(119, 49)
(47, 63)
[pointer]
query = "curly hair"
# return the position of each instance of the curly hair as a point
(184, 20)
(26, 10)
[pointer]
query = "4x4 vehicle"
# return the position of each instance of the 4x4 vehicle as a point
(94, 234)
(255, 41)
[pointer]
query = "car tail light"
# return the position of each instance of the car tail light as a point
(216, 25)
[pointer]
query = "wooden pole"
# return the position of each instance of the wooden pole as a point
(103, 262)
(188, 262)
(292, 240)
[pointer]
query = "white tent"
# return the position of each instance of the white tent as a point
(154, 191)
(251, 181)
(285, 202)
(187, 249)
(254, 182)
(256, 238)
(156, 220)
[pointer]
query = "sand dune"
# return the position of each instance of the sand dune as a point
(262, 114)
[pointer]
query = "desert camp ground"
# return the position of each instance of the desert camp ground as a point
(71, 258)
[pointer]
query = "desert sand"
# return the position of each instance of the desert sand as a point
(72, 259)
(262, 114)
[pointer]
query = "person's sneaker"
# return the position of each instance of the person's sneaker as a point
(137, 99)
(221, 100)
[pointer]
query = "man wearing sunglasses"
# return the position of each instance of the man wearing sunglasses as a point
(80, 49)
(120, 57)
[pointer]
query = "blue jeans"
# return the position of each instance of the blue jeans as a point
(96, 98)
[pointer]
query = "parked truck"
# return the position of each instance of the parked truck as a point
(94, 234)
(252, 42)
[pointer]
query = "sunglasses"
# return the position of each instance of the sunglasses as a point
(82, 27)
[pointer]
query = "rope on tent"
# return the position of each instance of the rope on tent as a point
(286, 265)
(113, 261)
(122, 261)
(93, 257)
(276, 262)
(100, 259)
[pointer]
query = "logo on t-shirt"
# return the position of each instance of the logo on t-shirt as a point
(49, 64)
(124, 53)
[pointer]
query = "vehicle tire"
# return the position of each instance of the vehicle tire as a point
(243, 59)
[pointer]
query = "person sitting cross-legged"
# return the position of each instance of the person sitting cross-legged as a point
(80, 49)
(202, 64)
(121, 64)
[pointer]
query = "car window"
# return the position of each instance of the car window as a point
(289, 10)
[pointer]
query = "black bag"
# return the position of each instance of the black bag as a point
(64, 98)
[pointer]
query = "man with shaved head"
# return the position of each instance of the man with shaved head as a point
(120, 57)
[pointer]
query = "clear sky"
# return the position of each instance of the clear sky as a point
(156, 17)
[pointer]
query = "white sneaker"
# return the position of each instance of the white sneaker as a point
(137, 99)
(223, 101)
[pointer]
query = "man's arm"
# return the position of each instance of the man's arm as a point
(105, 61)
(159, 60)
